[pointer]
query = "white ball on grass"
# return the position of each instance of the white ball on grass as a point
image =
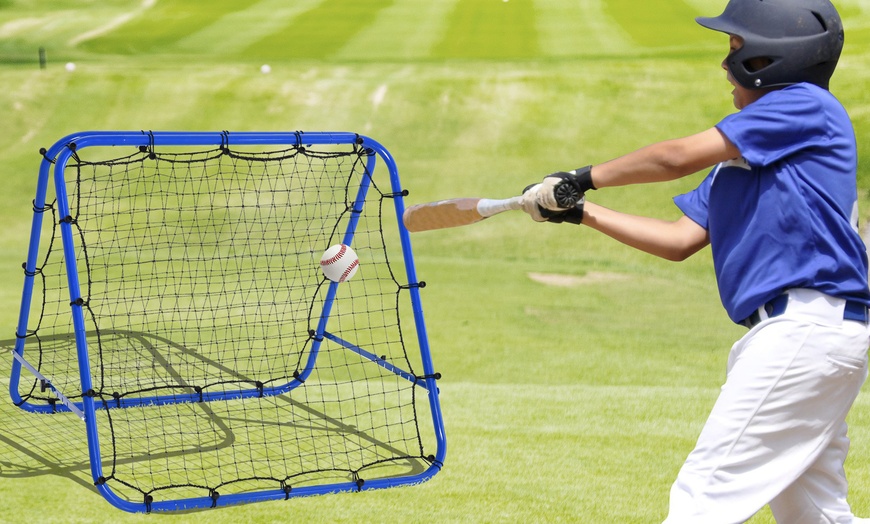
(265, 69)
(70, 66)
(339, 263)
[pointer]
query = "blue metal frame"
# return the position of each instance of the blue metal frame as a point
(58, 156)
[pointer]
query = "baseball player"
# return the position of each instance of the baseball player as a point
(779, 210)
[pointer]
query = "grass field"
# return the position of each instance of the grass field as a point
(562, 403)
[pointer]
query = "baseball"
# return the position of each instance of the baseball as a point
(265, 69)
(339, 263)
(70, 66)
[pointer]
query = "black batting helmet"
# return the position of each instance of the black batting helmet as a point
(801, 40)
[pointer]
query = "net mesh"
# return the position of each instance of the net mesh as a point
(202, 292)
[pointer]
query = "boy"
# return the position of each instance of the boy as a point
(779, 210)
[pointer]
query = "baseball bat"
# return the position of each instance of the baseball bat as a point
(455, 212)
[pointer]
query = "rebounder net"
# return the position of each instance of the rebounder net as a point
(221, 364)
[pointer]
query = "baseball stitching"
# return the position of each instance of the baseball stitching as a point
(335, 257)
(349, 269)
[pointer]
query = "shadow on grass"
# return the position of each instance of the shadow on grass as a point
(55, 444)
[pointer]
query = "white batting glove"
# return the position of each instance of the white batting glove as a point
(545, 196)
(530, 204)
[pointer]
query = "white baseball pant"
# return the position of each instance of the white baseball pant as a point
(777, 433)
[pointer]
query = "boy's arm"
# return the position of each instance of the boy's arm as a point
(659, 162)
(676, 240)
(666, 160)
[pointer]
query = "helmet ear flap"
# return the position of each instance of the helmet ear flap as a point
(757, 64)
(749, 69)
(753, 70)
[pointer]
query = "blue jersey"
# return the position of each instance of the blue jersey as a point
(785, 215)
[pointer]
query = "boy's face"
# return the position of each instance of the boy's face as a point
(742, 96)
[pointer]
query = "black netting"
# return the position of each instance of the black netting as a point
(200, 280)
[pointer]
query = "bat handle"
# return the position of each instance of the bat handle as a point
(566, 194)
(487, 207)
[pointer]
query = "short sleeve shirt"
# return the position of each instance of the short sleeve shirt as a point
(785, 214)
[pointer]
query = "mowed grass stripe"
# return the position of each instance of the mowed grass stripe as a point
(417, 24)
(236, 31)
(160, 27)
(658, 24)
(321, 32)
(24, 27)
(491, 30)
(580, 29)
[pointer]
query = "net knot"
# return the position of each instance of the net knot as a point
(72, 147)
(421, 378)
(403, 193)
(42, 209)
(44, 153)
(358, 481)
(33, 273)
(150, 147)
(225, 142)
(435, 462)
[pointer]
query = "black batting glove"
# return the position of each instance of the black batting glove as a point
(563, 189)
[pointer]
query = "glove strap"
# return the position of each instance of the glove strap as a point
(571, 216)
(572, 185)
(583, 177)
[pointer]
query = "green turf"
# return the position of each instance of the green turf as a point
(163, 25)
(571, 404)
(318, 33)
(490, 30)
(644, 22)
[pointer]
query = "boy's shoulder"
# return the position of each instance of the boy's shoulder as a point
(802, 93)
(798, 101)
